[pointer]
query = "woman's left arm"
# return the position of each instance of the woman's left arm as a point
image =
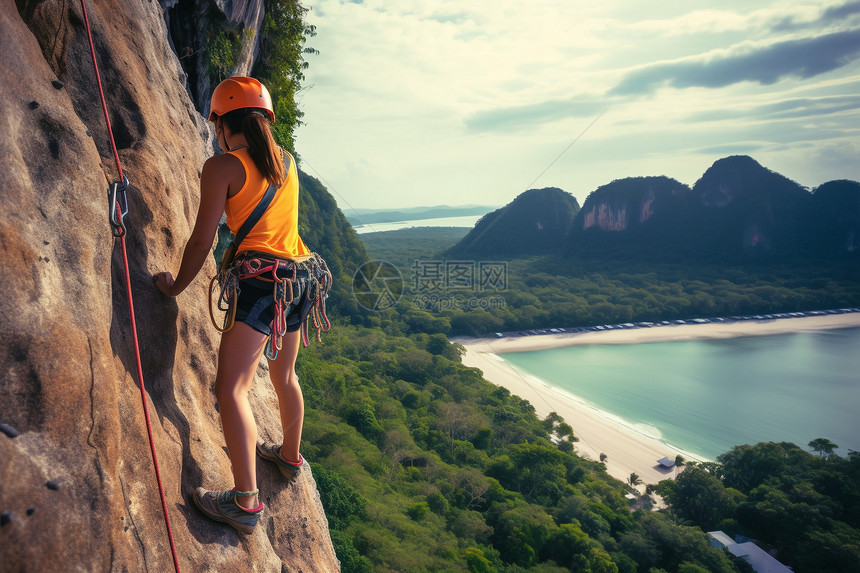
(214, 182)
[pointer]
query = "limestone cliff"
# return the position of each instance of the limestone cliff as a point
(77, 487)
(535, 222)
(191, 24)
(626, 203)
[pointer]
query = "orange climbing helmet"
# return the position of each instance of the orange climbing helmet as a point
(237, 93)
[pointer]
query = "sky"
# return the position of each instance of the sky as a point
(436, 102)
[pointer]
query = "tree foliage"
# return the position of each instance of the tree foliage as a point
(699, 496)
(580, 291)
(281, 63)
(803, 506)
(394, 426)
(823, 447)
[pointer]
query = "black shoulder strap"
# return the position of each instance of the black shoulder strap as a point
(258, 211)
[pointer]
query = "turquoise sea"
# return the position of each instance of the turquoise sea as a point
(706, 396)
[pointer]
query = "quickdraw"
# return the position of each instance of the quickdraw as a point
(267, 268)
(118, 203)
(228, 282)
(317, 313)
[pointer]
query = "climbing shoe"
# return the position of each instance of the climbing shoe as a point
(223, 506)
(272, 452)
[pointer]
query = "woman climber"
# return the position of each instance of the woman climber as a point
(269, 287)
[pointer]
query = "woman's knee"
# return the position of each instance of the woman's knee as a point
(285, 383)
(229, 391)
(223, 394)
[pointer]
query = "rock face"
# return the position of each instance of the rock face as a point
(749, 208)
(537, 221)
(626, 203)
(194, 25)
(78, 488)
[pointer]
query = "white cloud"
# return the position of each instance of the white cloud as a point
(427, 102)
(754, 62)
(778, 17)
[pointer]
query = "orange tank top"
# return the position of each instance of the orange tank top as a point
(277, 230)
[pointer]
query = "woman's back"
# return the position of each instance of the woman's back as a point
(277, 230)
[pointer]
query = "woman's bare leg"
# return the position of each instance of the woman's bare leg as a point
(238, 357)
(282, 372)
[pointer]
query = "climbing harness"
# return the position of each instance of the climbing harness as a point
(284, 275)
(266, 267)
(118, 210)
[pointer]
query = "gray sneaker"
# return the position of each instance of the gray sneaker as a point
(272, 452)
(222, 506)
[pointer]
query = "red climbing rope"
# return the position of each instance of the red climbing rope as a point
(119, 232)
(101, 92)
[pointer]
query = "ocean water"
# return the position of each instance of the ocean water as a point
(706, 396)
(462, 221)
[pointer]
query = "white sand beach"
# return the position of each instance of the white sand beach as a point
(627, 449)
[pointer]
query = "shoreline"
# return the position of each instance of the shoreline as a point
(628, 449)
(663, 333)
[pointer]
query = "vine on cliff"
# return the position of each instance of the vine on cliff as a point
(281, 62)
(224, 45)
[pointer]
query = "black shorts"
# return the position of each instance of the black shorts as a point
(255, 305)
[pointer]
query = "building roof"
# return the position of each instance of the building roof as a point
(761, 560)
(666, 462)
(720, 539)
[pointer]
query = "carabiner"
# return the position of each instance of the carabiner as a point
(118, 206)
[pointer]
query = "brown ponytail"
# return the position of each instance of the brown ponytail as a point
(264, 152)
